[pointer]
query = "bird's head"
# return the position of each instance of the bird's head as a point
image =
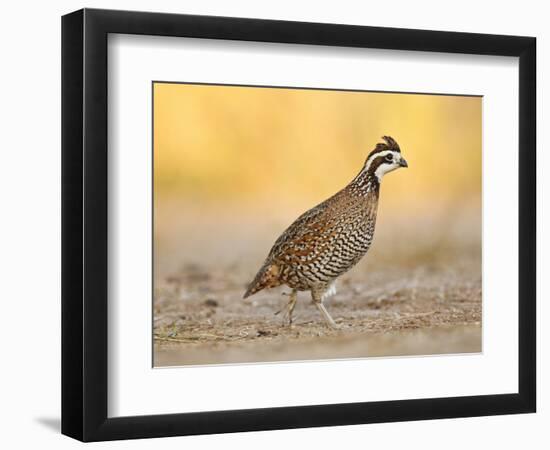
(385, 158)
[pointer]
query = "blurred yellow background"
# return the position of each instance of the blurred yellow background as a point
(234, 166)
(243, 144)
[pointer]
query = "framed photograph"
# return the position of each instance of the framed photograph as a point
(272, 224)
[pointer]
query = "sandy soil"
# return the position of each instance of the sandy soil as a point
(403, 299)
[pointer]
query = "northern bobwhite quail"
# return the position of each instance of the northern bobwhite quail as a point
(329, 239)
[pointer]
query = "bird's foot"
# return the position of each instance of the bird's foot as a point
(289, 308)
(287, 319)
(328, 318)
(336, 325)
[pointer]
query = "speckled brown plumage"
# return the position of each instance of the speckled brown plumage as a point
(329, 239)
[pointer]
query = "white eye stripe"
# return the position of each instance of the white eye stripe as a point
(377, 155)
(385, 167)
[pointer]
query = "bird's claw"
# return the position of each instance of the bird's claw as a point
(287, 320)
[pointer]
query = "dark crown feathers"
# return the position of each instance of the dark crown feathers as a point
(388, 144)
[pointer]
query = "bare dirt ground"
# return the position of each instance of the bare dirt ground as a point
(417, 292)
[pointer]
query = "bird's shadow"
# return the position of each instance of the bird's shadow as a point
(52, 423)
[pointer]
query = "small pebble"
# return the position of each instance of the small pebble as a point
(211, 302)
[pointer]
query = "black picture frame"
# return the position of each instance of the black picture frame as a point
(84, 224)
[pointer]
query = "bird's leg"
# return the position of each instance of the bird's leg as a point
(317, 297)
(289, 309)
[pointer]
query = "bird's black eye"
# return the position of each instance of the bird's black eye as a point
(389, 157)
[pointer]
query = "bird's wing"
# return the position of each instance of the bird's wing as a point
(299, 240)
(305, 239)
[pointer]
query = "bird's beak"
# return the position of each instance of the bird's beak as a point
(403, 162)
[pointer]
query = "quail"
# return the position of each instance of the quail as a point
(329, 239)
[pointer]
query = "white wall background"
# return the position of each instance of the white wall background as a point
(30, 223)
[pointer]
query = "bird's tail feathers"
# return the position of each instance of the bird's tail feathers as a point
(267, 277)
